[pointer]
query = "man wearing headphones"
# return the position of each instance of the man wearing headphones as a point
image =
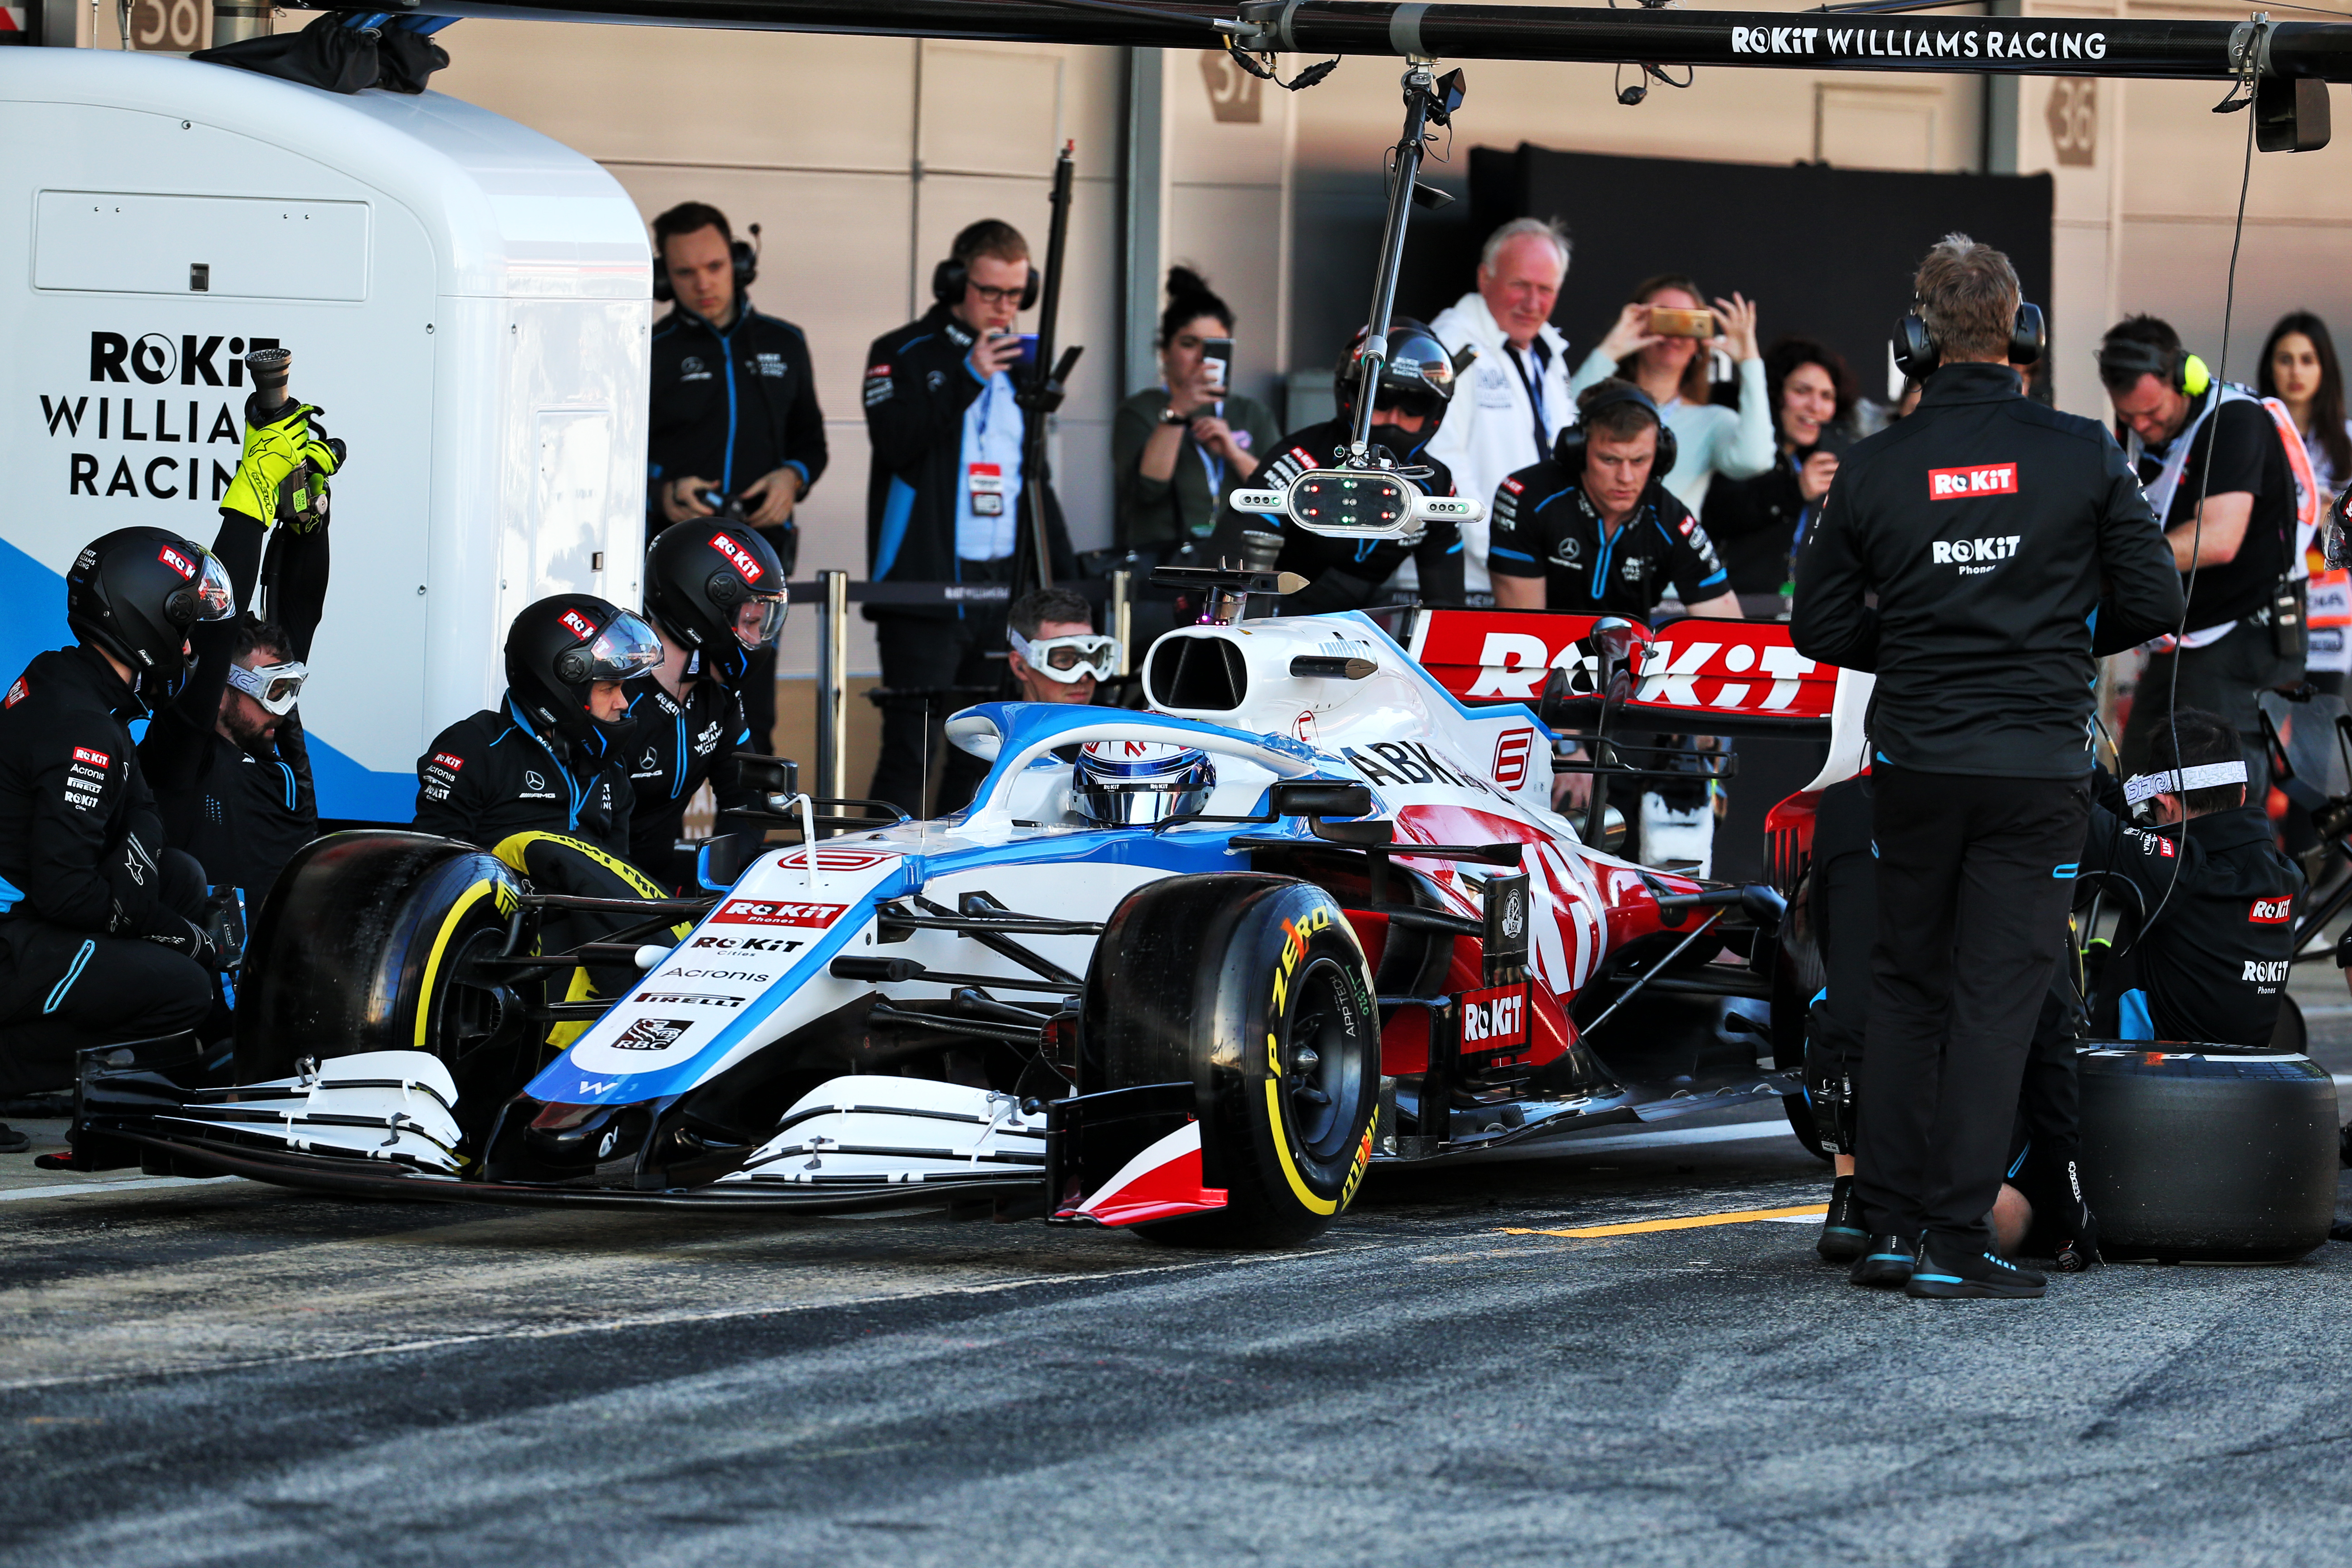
(2218, 475)
(1995, 535)
(1593, 528)
(735, 423)
(944, 501)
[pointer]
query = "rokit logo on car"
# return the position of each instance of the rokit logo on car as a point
(772, 912)
(160, 447)
(750, 943)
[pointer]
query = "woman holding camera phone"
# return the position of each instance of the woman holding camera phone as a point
(1757, 522)
(1663, 342)
(1181, 448)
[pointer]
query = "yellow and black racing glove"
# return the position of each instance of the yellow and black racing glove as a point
(282, 476)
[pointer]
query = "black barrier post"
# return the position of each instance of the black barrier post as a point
(831, 677)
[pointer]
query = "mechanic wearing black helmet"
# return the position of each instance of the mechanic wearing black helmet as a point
(1593, 528)
(1414, 387)
(541, 780)
(713, 594)
(107, 934)
(1996, 534)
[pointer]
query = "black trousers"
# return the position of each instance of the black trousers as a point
(63, 991)
(921, 654)
(1975, 876)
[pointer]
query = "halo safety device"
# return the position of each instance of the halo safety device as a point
(1569, 447)
(2126, 359)
(949, 278)
(274, 686)
(1067, 659)
(1136, 784)
(135, 592)
(1916, 353)
(742, 252)
(719, 590)
(558, 648)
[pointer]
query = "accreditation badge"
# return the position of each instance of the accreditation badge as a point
(985, 481)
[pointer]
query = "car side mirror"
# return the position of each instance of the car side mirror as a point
(767, 775)
(1319, 797)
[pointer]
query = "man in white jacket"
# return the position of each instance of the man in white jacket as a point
(1518, 394)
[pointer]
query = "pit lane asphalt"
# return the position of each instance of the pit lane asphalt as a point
(214, 1372)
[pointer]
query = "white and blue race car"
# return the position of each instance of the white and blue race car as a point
(1193, 968)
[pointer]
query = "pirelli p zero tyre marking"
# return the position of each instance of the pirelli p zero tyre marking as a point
(1281, 1042)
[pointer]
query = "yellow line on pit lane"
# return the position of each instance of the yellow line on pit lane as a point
(1688, 1221)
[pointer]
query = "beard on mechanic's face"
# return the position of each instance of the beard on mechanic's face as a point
(253, 727)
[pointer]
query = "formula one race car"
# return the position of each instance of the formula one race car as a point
(1192, 969)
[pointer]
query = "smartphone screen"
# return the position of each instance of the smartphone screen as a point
(1217, 362)
(1028, 354)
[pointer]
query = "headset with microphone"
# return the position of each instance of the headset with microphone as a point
(949, 278)
(746, 257)
(1916, 351)
(2178, 369)
(1568, 447)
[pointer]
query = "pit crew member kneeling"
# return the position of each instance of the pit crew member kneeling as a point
(541, 780)
(2208, 898)
(107, 935)
(715, 597)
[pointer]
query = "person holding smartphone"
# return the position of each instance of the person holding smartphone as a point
(1757, 522)
(1182, 447)
(1664, 342)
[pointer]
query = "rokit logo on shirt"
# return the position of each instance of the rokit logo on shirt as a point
(1980, 479)
(2270, 912)
(1974, 557)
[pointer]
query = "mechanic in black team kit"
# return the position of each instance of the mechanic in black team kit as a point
(541, 780)
(1591, 529)
(1990, 528)
(713, 595)
(107, 934)
(227, 758)
(1415, 385)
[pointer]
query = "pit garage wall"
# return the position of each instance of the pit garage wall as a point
(860, 157)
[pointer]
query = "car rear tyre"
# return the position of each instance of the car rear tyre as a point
(1253, 989)
(366, 943)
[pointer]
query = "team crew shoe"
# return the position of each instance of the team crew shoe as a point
(1842, 1237)
(1945, 1273)
(1887, 1262)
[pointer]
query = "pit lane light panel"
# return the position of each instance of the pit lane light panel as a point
(1357, 503)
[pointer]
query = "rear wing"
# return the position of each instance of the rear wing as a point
(1695, 675)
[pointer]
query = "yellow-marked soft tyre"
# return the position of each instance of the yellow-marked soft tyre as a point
(1253, 988)
(364, 945)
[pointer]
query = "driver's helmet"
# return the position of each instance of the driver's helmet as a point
(1128, 783)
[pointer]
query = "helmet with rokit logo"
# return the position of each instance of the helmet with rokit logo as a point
(1127, 783)
(717, 588)
(1417, 377)
(559, 647)
(136, 592)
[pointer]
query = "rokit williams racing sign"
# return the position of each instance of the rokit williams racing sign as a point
(158, 417)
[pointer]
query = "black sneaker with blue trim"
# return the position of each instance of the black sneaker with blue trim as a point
(1885, 1262)
(1843, 1238)
(1947, 1273)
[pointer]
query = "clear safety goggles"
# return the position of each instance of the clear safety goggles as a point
(1068, 660)
(759, 620)
(624, 650)
(274, 686)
